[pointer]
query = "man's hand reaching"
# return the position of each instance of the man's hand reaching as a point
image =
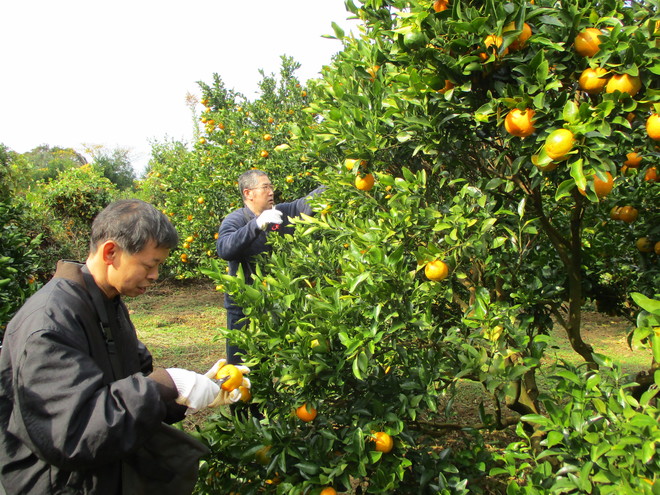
(269, 216)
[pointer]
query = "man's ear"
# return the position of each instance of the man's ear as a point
(109, 252)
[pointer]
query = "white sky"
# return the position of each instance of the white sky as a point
(116, 73)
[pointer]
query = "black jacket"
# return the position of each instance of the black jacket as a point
(66, 422)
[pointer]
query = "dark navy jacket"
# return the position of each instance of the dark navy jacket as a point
(240, 240)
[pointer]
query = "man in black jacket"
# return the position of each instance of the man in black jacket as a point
(78, 393)
(243, 235)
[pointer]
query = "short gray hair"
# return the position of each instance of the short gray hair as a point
(249, 180)
(132, 224)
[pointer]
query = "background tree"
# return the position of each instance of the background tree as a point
(46, 161)
(115, 165)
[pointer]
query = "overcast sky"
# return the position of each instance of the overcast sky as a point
(116, 73)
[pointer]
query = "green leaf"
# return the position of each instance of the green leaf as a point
(647, 304)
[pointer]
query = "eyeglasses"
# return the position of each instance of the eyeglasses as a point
(265, 187)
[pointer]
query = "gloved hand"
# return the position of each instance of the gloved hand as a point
(223, 398)
(195, 391)
(269, 216)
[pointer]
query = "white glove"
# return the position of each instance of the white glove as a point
(195, 391)
(269, 216)
(223, 398)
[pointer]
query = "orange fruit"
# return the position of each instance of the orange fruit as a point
(628, 214)
(544, 168)
(373, 71)
(492, 43)
(200, 200)
(235, 377)
(448, 85)
(615, 213)
(559, 143)
(624, 83)
(384, 442)
(592, 80)
(644, 245)
(651, 175)
(263, 154)
(522, 38)
(328, 490)
(263, 455)
(440, 5)
(653, 127)
(520, 122)
(587, 42)
(602, 187)
(656, 248)
(436, 270)
(184, 258)
(306, 414)
(364, 182)
(633, 160)
(246, 394)
(267, 137)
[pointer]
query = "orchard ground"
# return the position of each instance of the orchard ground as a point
(181, 323)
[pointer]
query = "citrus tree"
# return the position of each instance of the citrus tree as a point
(473, 152)
(198, 187)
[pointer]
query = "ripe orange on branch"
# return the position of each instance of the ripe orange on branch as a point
(384, 442)
(436, 270)
(593, 81)
(559, 143)
(492, 43)
(587, 42)
(521, 40)
(440, 5)
(624, 83)
(520, 122)
(653, 127)
(633, 159)
(306, 414)
(601, 187)
(364, 182)
(644, 245)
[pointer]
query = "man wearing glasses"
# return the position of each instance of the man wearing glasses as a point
(243, 235)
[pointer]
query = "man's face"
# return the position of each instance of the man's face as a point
(131, 274)
(261, 196)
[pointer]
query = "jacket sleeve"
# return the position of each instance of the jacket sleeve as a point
(299, 206)
(67, 415)
(236, 235)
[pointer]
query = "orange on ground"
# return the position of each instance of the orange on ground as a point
(364, 182)
(436, 270)
(593, 81)
(384, 442)
(522, 38)
(305, 414)
(440, 5)
(587, 42)
(644, 245)
(520, 122)
(235, 377)
(559, 143)
(653, 126)
(633, 159)
(624, 83)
